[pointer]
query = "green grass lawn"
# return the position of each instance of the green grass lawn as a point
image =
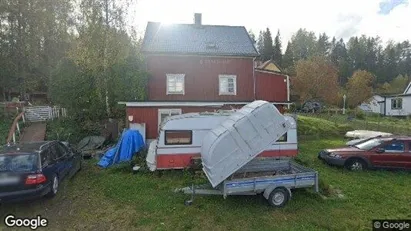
(5, 124)
(116, 199)
(400, 126)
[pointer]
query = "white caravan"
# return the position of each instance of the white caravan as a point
(180, 140)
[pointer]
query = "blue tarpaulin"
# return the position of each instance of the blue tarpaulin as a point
(130, 142)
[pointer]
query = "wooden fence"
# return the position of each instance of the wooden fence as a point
(43, 113)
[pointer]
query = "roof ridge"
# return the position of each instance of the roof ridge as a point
(191, 24)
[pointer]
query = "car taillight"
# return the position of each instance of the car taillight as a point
(35, 179)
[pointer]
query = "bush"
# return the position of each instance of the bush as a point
(68, 129)
(294, 108)
(359, 114)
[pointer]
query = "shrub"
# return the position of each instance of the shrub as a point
(359, 114)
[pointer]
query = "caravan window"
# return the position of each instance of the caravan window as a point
(283, 138)
(177, 137)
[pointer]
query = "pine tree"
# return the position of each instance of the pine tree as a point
(268, 46)
(260, 43)
(288, 58)
(252, 36)
(277, 53)
(339, 57)
(323, 45)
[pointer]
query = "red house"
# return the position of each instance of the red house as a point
(196, 68)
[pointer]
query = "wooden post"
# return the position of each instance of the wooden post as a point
(50, 113)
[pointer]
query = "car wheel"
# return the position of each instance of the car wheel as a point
(278, 197)
(356, 165)
(54, 187)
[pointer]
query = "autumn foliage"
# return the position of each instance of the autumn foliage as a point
(316, 78)
(359, 87)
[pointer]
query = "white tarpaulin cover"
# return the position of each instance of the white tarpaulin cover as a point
(240, 138)
(364, 134)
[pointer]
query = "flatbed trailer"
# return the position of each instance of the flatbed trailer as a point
(272, 177)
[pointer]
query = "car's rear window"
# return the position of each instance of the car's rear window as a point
(18, 162)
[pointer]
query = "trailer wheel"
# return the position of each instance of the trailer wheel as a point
(278, 197)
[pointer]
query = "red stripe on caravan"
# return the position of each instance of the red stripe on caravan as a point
(179, 161)
(190, 146)
(175, 161)
(278, 153)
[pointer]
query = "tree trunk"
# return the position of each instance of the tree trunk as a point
(105, 61)
(20, 45)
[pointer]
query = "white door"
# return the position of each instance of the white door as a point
(139, 127)
(382, 106)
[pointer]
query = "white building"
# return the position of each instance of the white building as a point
(374, 105)
(390, 105)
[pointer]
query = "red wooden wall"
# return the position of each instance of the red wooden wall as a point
(271, 87)
(201, 77)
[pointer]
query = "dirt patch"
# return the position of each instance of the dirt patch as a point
(34, 132)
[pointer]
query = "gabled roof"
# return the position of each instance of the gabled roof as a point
(198, 40)
(397, 95)
(407, 89)
(270, 65)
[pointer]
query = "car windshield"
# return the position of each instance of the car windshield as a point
(369, 144)
(18, 162)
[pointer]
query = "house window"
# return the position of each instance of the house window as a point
(164, 113)
(283, 138)
(175, 84)
(228, 84)
(178, 137)
(396, 103)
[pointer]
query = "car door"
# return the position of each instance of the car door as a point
(407, 156)
(59, 159)
(70, 159)
(47, 163)
(389, 155)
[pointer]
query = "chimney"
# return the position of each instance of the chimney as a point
(197, 19)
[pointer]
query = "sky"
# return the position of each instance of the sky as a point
(388, 19)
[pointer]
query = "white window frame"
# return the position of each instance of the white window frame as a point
(167, 111)
(396, 102)
(177, 77)
(234, 77)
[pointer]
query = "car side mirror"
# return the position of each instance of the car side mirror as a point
(380, 150)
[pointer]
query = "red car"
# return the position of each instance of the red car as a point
(392, 152)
